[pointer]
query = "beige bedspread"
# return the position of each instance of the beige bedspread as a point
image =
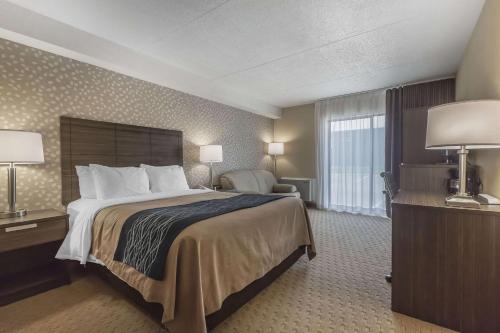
(211, 259)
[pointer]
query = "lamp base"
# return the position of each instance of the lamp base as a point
(462, 201)
(17, 213)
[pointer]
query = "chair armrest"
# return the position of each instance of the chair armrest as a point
(284, 188)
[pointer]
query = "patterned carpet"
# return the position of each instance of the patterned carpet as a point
(341, 290)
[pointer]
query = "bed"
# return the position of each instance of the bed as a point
(212, 267)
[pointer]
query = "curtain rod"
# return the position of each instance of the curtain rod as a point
(386, 88)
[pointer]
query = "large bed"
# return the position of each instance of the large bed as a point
(212, 267)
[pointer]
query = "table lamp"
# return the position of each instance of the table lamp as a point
(464, 126)
(276, 149)
(211, 154)
(18, 147)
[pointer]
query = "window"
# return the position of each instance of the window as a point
(356, 161)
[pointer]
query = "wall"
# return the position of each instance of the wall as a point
(479, 78)
(37, 87)
(296, 129)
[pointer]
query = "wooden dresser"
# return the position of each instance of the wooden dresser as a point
(446, 262)
(27, 248)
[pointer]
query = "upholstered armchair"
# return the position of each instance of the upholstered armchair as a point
(255, 181)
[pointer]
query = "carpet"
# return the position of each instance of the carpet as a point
(341, 290)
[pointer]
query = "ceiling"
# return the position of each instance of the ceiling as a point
(257, 55)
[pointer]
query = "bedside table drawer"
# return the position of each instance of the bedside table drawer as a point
(20, 236)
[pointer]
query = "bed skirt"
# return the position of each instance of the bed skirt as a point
(230, 304)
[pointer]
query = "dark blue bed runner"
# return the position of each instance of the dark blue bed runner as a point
(146, 236)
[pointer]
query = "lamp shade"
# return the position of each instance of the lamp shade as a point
(276, 148)
(21, 147)
(211, 153)
(473, 124)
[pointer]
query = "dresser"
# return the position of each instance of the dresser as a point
(446, 262)
(28, 245)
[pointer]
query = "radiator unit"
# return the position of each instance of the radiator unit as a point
(304, 186)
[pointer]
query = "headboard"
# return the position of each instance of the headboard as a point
(111, 144)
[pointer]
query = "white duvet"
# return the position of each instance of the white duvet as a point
(76, 245)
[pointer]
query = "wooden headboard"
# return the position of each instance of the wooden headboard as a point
(88, 141)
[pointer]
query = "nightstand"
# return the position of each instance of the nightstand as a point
(28, 245)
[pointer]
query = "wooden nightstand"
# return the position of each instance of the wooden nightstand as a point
(28, 245)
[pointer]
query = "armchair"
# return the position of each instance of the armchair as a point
(256, 181)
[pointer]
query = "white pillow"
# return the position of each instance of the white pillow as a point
(166, 178)
(86, 182)
(119, 182)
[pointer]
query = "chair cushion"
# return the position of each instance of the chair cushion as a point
(254, 181)
(265, 180)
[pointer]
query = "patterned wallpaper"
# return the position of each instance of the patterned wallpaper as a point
(37, 87)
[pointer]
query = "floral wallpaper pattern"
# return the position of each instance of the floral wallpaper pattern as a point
(37, 87)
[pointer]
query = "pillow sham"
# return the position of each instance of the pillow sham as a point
(119, 182)
(166, 178)
(85, 182)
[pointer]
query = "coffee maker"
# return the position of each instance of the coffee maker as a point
(474, 184)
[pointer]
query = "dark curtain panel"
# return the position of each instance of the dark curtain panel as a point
(406, 121)
(393, 136)
(429, 94)
(418, 98)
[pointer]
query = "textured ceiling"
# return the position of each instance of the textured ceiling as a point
(283, 53)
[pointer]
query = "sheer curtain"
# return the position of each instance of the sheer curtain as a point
(350, 153)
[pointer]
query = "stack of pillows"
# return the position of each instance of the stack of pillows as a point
(102, 182)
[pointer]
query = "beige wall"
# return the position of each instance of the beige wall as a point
(479, 78)
(296, 129)
(37, 87)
